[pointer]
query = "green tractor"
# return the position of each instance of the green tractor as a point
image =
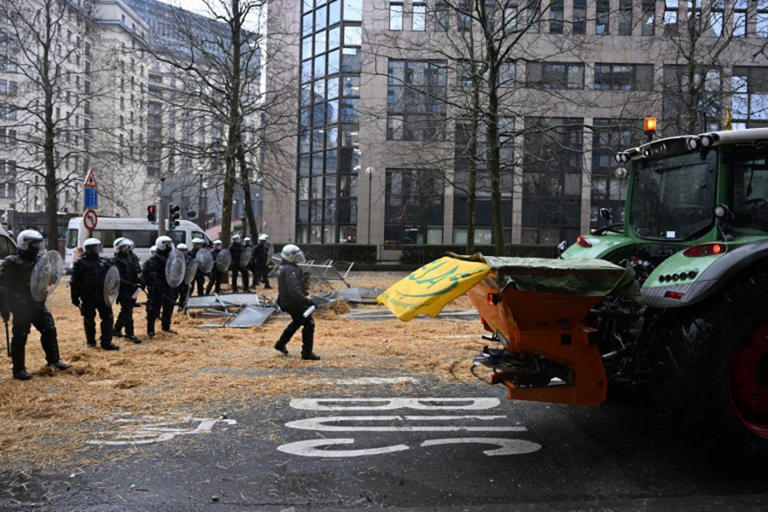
(695, 232)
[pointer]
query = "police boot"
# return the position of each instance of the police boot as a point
(19, 371)
(109, 346)
(310, 357)
(60, 365)
(280, 347)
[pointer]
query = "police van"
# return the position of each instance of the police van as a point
(140, 230)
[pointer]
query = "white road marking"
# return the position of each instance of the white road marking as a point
(321, 424)
(146, 430)
(506, 446)
(309, 448)
(368, 381)
(389, 404)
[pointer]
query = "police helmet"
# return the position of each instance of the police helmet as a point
(117, 241)
(182, 247)
(153, 250)
(235, 238)
(120, 243)
(247, 240)
(92, 245)
(263, 237)
(217, 243)
(292, 254)
(197, 241)
(29, 238)
(163, 243)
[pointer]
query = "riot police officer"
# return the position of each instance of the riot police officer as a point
(183, 289)
(87, 289)
(197, 244)
(293, 300)
(236, 249)
(216, 275)
(130, 281)
(161, 297)
(16, 298)
(261, 261)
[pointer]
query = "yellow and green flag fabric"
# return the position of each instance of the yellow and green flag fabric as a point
(427, 290)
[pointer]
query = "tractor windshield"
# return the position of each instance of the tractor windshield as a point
(749, 172)
(673, 198)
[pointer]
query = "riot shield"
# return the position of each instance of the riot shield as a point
(223, 260)
(204, 260)
(175, 268)
(191, 271)
(46, 275)
(111, 285)
(245, 257)
(270, 252)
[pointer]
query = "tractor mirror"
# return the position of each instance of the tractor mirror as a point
(621, 172)
(723, 212)
(606, 215)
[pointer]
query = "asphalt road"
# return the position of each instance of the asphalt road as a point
(448, 447)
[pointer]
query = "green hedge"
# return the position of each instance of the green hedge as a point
(421, 254)
(358, 253)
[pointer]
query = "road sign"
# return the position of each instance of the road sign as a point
(91, 197)
(90, 180)
(90, 219)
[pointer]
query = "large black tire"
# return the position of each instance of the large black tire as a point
(703, 356)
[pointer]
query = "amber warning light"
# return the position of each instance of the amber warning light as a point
(649, 125)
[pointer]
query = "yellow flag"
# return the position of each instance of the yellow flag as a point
(728, 120)
(427, 290)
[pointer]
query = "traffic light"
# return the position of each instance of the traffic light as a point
(152, 213)
(173, 216)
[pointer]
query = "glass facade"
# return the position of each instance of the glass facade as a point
(329, 116)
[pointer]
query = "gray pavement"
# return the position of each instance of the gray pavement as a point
(434, 446)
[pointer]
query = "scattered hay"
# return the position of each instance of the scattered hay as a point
(190, 372)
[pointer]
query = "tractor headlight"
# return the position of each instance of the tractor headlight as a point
(693, 143)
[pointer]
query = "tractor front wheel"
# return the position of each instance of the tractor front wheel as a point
(714, 364)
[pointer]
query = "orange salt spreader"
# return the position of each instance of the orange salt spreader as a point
(535, 308)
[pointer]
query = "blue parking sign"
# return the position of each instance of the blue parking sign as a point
(91, 197)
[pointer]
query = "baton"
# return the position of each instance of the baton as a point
(7, 339)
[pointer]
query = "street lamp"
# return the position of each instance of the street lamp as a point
(369, 171)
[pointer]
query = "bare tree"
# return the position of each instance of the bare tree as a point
(51, 43)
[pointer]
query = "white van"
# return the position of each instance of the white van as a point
(140, 230)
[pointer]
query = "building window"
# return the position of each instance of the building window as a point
(624, 77)
(602, 17)
(715, 20)
(443, 16)
(556, 17)
(419, 17)
(552, 171)
(740, 18)
(507, 74)
(464, 15)
(761, 19)
(671, 8)
(414, 206)
(749, 104)
(579, 16)
(625, 17)
(395, 16)
(683, 100)
(553, 75)
(608, 191)
(416, 93)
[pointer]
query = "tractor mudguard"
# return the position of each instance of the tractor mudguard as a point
(711, 279)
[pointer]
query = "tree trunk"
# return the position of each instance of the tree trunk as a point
(49, 141)
(234, 122)
(472, 187)
(246, 184)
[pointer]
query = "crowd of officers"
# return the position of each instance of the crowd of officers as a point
(87, 291)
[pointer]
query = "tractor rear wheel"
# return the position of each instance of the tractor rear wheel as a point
(714, 364)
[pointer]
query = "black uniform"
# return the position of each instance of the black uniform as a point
(261, 263)
(161, 297)
(183, 289)
(16, 298)
(199, 276)
(236, 249)
(216, 275)
(87, 287)
(130, 281)
(293, 300)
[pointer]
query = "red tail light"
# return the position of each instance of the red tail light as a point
(583, 241)
(673, 295)
(704, 250)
